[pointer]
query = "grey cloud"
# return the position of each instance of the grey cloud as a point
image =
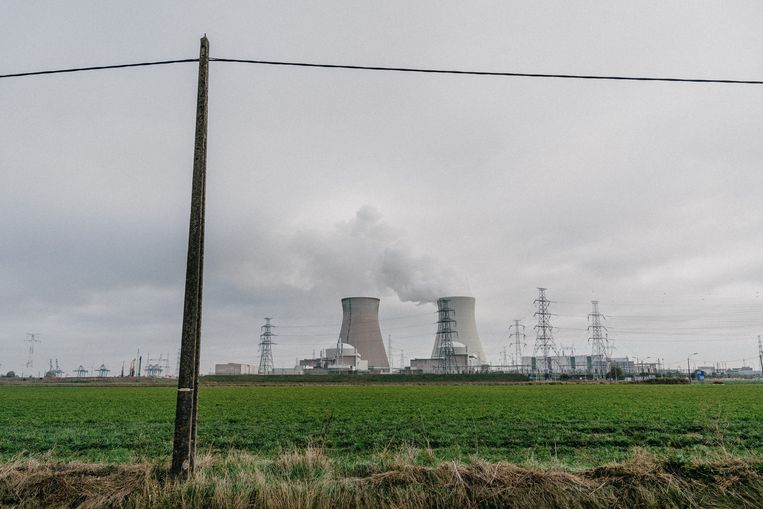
(643, 195)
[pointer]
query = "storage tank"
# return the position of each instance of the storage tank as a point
(360, 328)
(465, 326)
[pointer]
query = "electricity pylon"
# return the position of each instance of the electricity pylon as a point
(266, 353)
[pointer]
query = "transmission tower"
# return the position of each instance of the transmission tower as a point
(389, 351)
(544, 337)
(266, 353)
(445, 335)
(517, 333)
(31, 338)
(760, 354)
(54, 371)
(599, 341)
(157, 366)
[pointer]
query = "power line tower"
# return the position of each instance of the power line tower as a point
(389, 350)
(166, 365)
(339, 355)
(599, 341)
(157, 367)
(544, 336)
(31, 338)
(760, 353)
(53, 372)
(266, 353)
(519, 341)
(445, 335)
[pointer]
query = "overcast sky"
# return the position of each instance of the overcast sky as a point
(329, 183)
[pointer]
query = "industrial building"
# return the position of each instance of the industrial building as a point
(343, 358)
(233, 368)
(596, 365)
(568, 364)
(462, 362)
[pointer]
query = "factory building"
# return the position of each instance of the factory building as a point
(465, 326)
(233, 368)
(360, 329)
(343, 358)
(567, 364)
(462, 362)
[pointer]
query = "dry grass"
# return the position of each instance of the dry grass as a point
(308, 479)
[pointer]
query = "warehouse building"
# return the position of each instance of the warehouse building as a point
(232, 368)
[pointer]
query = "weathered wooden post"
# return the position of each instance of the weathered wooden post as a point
(184, 444)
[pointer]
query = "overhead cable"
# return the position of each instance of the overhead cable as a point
(488, 73)
(98, 67)
(398, 69)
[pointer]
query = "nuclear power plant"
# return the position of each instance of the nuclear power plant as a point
(360, 346)
(360, 328)
(465, 326)
(457, 347)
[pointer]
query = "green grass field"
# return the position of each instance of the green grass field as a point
(577, 425)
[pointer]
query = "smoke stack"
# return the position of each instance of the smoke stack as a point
(465, 326)
(360, 328)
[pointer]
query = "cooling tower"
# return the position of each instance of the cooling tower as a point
(360, 328)
(465, 326)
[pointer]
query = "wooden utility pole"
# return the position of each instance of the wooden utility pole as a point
(184, 445)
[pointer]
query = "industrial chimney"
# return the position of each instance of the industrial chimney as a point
(465, 326)
(360, 328)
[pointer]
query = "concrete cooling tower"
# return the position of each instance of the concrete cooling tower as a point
(360, 328)
(465, 326)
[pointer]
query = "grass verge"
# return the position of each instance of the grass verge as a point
(403, 479)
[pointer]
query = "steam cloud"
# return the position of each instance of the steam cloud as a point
(365, 254)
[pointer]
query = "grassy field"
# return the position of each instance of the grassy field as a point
(573, 425)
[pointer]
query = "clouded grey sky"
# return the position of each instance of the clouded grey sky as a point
(328, 183)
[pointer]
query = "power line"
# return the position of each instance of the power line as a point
(487, 73)
(98, 68)
(398, 69)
